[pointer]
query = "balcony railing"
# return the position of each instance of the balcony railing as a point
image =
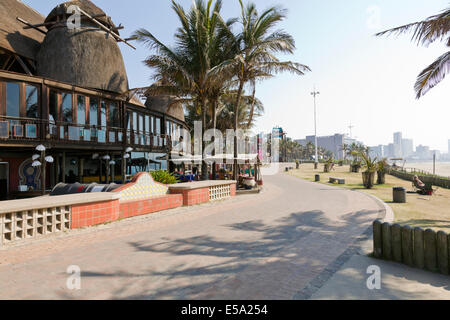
(26, 129)
(20, 129)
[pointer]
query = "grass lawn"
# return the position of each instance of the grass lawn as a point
(424, 211)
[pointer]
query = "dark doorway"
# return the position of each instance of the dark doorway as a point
(4, 180)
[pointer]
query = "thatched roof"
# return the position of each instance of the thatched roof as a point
(60, 13)
(165, 104)
(12, 35)
(86, 57)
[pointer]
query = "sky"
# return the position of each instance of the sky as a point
(363, 80)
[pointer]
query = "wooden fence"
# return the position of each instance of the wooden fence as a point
(434, 180)
(415, 247)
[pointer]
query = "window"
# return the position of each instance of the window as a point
(147, 124)
(12, 100)
(158, 126)
(67, 108)
(93, 112)
(103, 121)
(53, 107)
(114, 115)
(31, 101)
(81, 110)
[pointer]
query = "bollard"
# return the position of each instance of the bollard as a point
(419, 258)
(442, 252)
(429, 240)
(407, 245)
(396, 234)
(387, 240)
(317, 177)
(377, 240)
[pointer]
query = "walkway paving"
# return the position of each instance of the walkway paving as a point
(265, 246)
(398, 282)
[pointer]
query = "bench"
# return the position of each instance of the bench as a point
(338, 180)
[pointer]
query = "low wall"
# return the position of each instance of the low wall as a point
(33, 218)
(434, 180)
(415, 247)
(204, 191)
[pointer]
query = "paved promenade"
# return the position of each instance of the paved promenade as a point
(265, 246)
(295, 240)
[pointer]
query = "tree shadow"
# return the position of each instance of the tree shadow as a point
(233, 258)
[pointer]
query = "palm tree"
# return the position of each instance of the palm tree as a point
(425, 32)
(185, 70)
(257, 45)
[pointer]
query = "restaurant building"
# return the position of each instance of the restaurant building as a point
(67, 89)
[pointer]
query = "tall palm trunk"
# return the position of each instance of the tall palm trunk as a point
(252, 109)
(204, 164)
(236, 125)
(214, 126)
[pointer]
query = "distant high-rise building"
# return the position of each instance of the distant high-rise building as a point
(407, 147)
(397, 144)
(423, 152)
(332, 143)
(376, 152)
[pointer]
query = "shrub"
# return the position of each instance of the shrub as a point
(162, 176)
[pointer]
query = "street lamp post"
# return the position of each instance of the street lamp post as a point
(43, 164)
(316, 160)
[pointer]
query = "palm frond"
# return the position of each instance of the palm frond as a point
(432, 75)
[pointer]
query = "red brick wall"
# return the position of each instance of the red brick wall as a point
(233, 189)
(193, 197)
(92, 214)
(142, 207)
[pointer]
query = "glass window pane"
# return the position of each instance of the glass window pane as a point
(66, 107)
(141, 123)
(12, 100)
(103, 114)
(81, 110)
(147, 124)
(135, 123)
(158, 126)
(53, 107)
(31, 101)
(114, 115)
(93, 112)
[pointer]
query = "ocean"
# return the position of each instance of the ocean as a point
(442, 168)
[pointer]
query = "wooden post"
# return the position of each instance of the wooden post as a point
(407, 245)
(377, 239)
(430, 250)
(124, 167)
(100, 172)
(442, 252)
(43, 172)
(419, 258)
(387, 240)
(63, 167)
(396, 232)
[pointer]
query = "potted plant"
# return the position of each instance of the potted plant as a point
(297, 164)
(381, 171)
(328, 166)
(370, 167)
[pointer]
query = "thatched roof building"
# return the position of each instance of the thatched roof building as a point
(86, 56)
(15, 39)
(166, 105)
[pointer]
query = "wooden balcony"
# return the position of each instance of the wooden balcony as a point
(29, 132)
